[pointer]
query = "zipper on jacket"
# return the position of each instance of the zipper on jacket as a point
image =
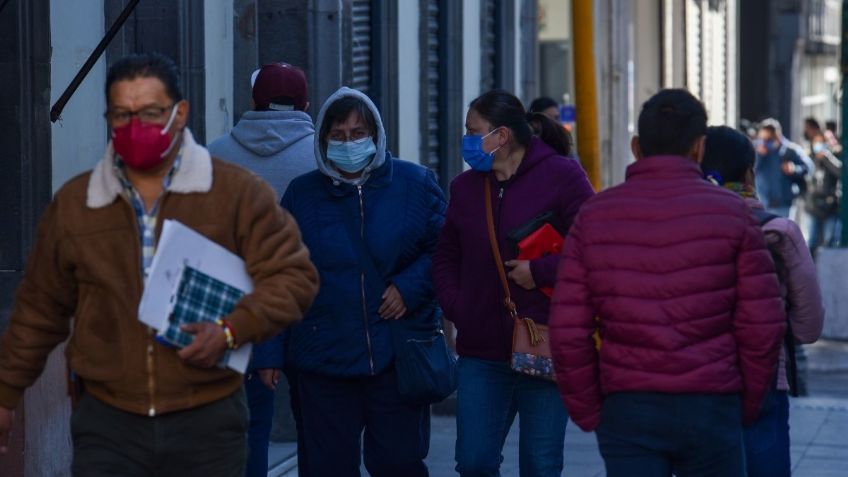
(151, 381)
(151, 338)
(362, 282)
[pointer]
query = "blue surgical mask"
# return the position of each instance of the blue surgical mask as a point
(351, 156)
(819, 147)
(474, 155)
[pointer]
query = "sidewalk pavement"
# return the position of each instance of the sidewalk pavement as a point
(818, 428)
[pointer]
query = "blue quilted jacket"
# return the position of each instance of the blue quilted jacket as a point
(400, 208)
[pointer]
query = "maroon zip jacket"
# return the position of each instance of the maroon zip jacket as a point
(678, 275)
(467, 284)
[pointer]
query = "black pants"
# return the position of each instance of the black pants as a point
(208, 441)
(336, 411)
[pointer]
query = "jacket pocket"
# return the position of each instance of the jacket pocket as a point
(95, 350)
(197, 375)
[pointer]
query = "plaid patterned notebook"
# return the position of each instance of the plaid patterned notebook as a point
(199, 298)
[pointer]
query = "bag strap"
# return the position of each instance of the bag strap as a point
(535, 337)
(496, 252)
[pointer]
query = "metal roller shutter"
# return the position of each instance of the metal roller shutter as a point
(430, 84)
(360, 53)
(488, 45)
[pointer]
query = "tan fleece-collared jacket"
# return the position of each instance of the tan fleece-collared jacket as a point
(86, 264)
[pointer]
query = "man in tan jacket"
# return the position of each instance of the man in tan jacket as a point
(149, 409)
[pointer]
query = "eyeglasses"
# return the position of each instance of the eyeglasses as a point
(148, 115)
(355, 135)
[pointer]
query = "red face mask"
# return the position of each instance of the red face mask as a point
(143, 146)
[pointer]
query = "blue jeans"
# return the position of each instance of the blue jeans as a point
(767, 439)
(488, 397)
(826, 232)
(260, 402)
(654, 434)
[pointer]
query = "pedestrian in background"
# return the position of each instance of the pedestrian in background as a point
(674, 276)
(362, 198)
(276, 141)
(547, 106)
(824, 192)
(528, 177)
(781, 170)
(148, 409)
(729, 161)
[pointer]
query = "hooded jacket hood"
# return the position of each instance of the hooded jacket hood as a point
(324, 165)
(267, 133)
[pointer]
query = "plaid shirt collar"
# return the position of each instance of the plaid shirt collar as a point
(119, 169)
(146, 218)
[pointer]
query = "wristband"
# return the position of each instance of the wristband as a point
(228, 332)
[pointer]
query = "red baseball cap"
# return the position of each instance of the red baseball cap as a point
(280, 85)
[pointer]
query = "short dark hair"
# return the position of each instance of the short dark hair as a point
(540, 104)
(502, 109)
(339, 110)
(830, 125)
(670, 123)
(728, 154)
(146, 65)
(813, 123)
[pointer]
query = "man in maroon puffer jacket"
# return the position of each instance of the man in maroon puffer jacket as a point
(674, 275)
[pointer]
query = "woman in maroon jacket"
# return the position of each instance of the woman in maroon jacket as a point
(729, 162)
(528, 177)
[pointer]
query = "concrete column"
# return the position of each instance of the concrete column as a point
(471, 70)
(218, 53)
(408, 82)
(612, 46)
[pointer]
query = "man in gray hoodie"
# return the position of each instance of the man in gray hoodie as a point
(276, 141)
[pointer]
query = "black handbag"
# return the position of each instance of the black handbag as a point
(424, 364)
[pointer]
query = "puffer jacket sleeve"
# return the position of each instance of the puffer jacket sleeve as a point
(805, 308)
(415, 282)
(284, 279)
(44, 304)
(759, 319)
(446, 262)
(268, 354)
(572, 323)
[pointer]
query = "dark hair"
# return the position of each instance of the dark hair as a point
(811, 122)
(728, 154)
(146, 65)
(502, 109)
(551, 133)
(830, 125)
(339, 111)
(540, 104)
(671, 122)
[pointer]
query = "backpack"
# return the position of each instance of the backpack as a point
(764, 217)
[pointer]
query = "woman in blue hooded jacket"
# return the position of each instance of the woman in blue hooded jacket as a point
(342, 350)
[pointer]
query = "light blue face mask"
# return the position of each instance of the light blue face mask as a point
(351, 156)
(474, 155)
